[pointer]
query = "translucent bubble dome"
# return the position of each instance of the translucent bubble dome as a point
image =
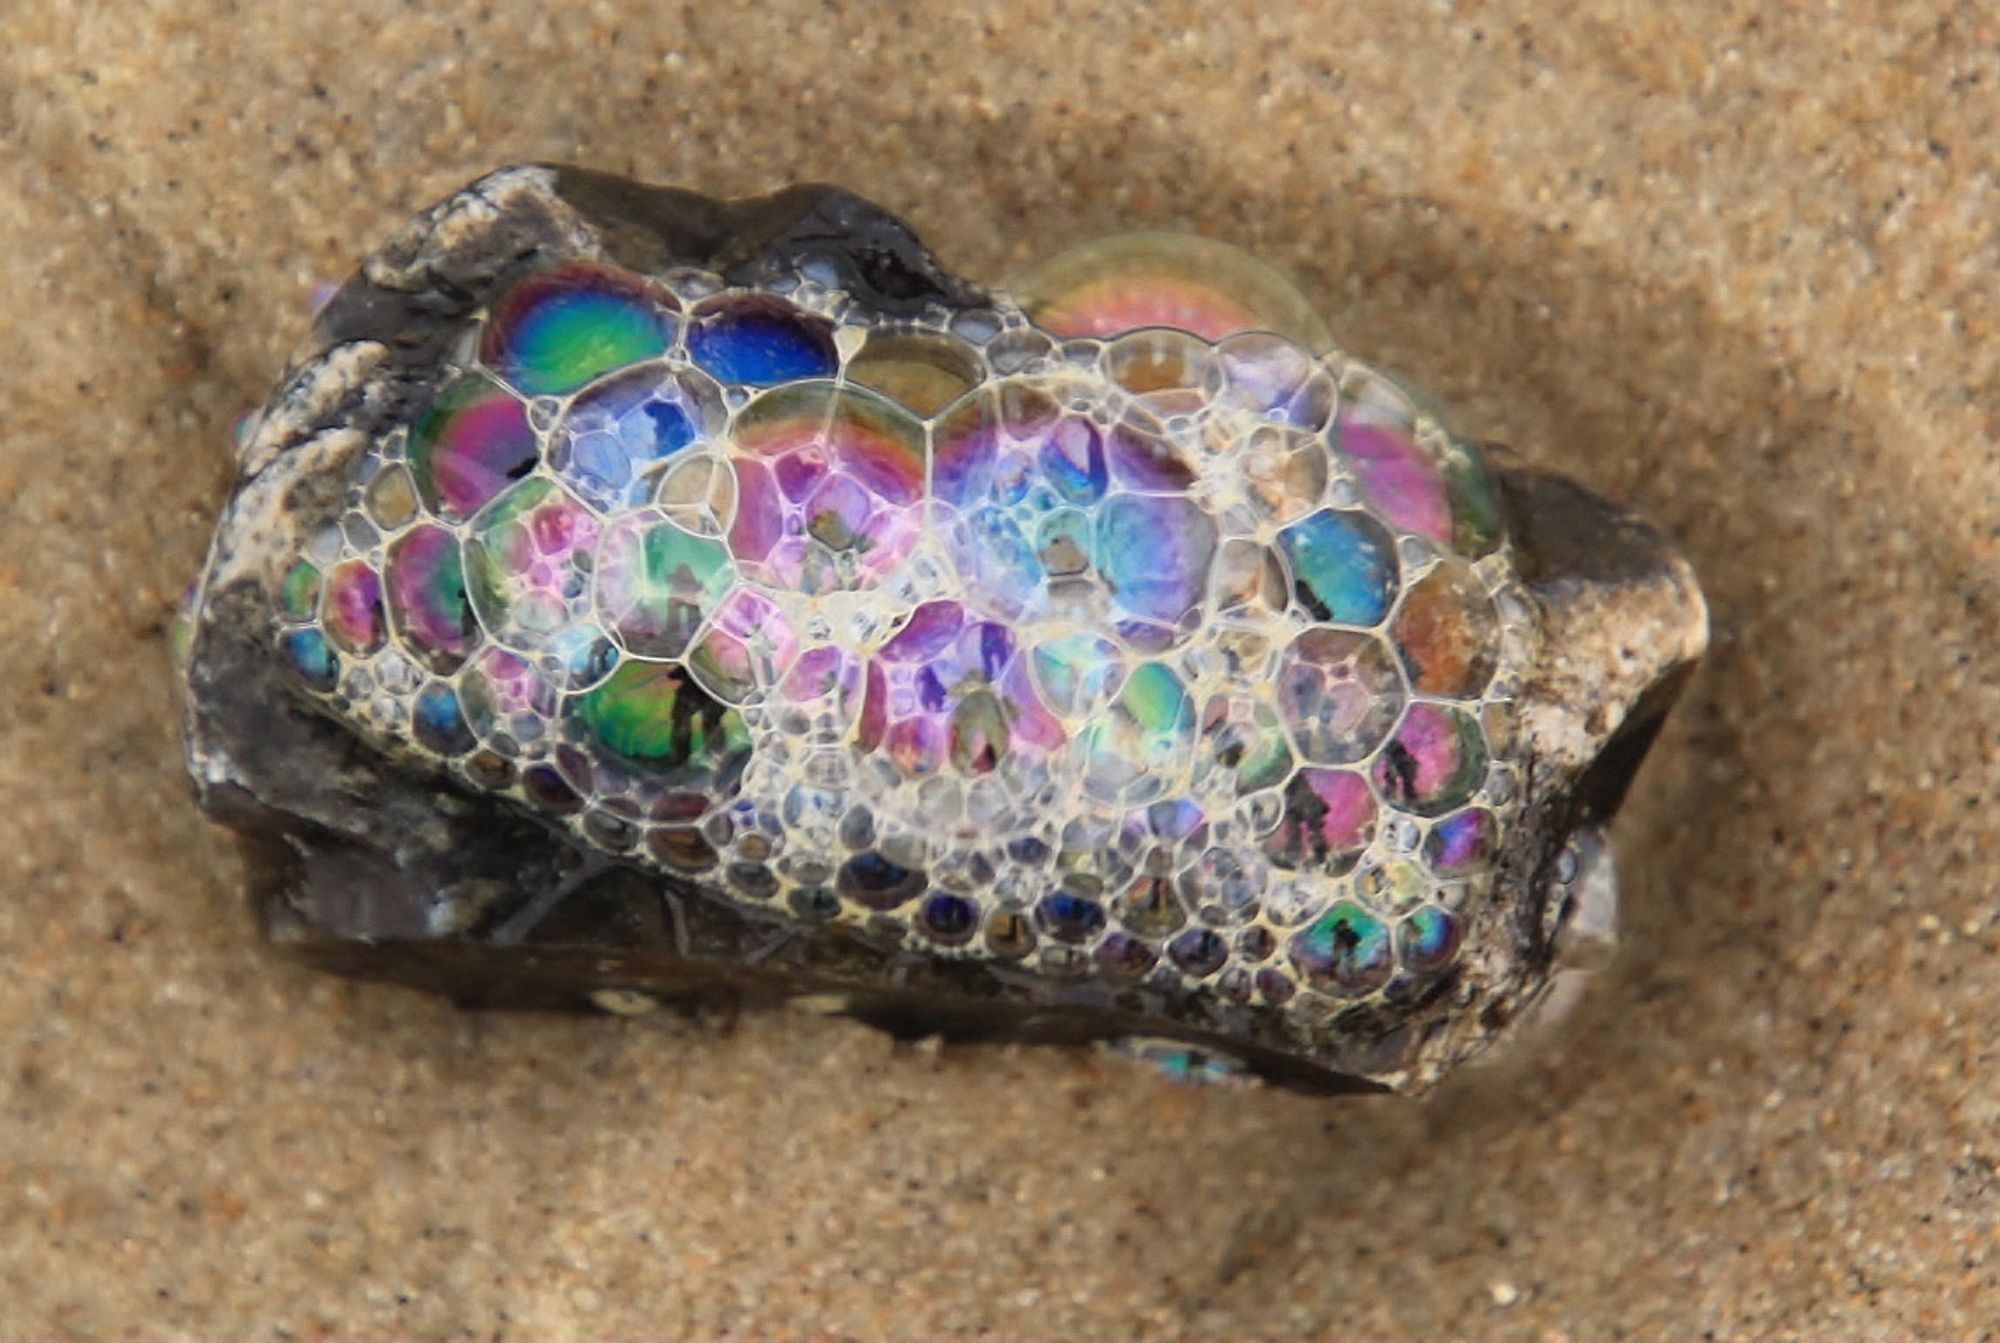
(1117, 653)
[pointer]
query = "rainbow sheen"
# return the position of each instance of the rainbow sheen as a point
(1143, 457)
(1392, 887)
(1395, 473)
(760, 341)
(1193, 284)
(748, 646)
(428, 605)
(1329, 819)
(506, 701)
(821, 695)
(1476, 523)
(565, 326)
(437, 721)
(1078, 673)
(1434, 762)
(1139, 748)
(616, 435)
(1154, 553)
(351, 607)
(1427, 939)
(1346, 952)
(656, 583)
(1343, 566)
(1271, 377)
(311, 658)
(652, 716)
(1338, 693)
(1462, 843)
(298, 593)
(1106, 655)
(951, 692)
(831, 484)
(472, 442)
(1448, 632)
(529, 558)
(1242, 741)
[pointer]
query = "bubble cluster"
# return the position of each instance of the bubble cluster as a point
(1169, 656)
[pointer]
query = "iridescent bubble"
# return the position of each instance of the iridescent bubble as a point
(428, 605)
(747, 648)
(1435, 762)
(1198, 952)
(529, 559)
(1166, 369)
(1346, 952)
(1069, 917)
(951, 919)
(821, 694)
(1343, 566)
(656, 583)
(699, 494)
(1392, 887)
(506, 700)
(609, 445)
(1072, 460)
(922, 370)
(1125, 959)
(1150, 908)
(310, 658)
(951, 690)
(562, 327)
(760, 341)
(1275, 378)
(871, 880)
(1242, 740)
(351, 607)
(1141, 457)
(650, 715)
(1248, 581)
(1225, 885)
(1078, 673)
(1154, 553)
(1448, 632)
(1427, 939)
(1339, 694)
(1396, 475)
(298, 593)
(472, 443)
(1284, 474)
(437, 721)
(1476, 521)
(1462, 843)
(1193, 284)
(1139, 748)
(1329, 819)
(831, 487)
(968, 440)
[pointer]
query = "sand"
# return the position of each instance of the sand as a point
(1733, 263)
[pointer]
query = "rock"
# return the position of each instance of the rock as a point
(631, 597)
